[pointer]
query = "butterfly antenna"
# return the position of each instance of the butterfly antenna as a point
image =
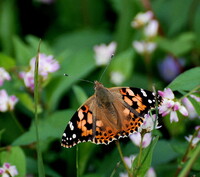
(80, 79)
(106, 67)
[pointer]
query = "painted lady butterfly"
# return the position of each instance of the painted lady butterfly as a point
(110, 114)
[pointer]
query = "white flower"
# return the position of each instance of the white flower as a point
(143, 47)
(104, 53)
(136, 138)
(7, 102)
(141, 19)
(7, 170)
(117, 77)
(170, 106)
(151, 29)
(4, 75)
(195, 140)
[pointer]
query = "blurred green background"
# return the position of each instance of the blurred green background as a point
(69, 30)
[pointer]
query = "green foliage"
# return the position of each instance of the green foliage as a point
(68, 32)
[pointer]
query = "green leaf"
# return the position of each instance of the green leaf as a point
(80, 40)
(23, 52)
(56, 122)
(186, 41)
(6, 61)
(83, 157)
(123, 63)
(186, 81)
(28, 102)
(146, 159)
(15, 156)
(80, 94)
(163, 153)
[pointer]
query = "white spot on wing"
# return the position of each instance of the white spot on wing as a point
(71, 126)
(64, 134)
(149, 101)
(74, 136)
(143, 93)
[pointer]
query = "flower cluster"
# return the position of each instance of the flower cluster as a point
(47, 64)
(170, 105)
(4, 75)
(8, 170)
(150, 30)
(104, 53)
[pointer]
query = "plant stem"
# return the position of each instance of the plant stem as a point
(189, 93)
(41, 172)
(77, 162)
(122, 158)
(185, 157)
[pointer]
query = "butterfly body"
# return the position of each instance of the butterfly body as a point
(111, 113)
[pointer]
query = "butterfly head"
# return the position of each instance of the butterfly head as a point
(98, 85)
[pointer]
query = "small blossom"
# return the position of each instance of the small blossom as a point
(143, 47)
(195, 140)
(136, 138)
(142, 19)
(150, 173)
(129, 160)
(47, 64)
(170, 106)
(150, 122)
(151, 29)
(197, 128)
(7, 102)
(117, 78)
(170, 67)
(4, 75)
(104, 53)
(8, 170)
(28, 79)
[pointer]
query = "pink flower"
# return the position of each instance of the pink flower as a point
(8, 170)
(191, 111)
(28, 79)
(170, 106)
(4, 75)
(104, 53)
(47, 64)
(150, 122)
(150, 173)
(136, 138)
(7, 102)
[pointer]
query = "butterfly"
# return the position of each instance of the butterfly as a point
(110, 114)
